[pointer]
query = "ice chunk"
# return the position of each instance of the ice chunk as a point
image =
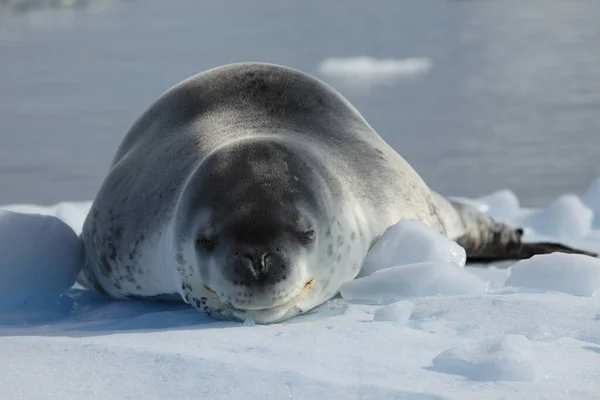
(409, 242)
(368, 68)
(502, 205)
(569, 273)
(72, 213)
(510, 358)
(40, 257)
(565, 217)
(414, 280)
(592, 199)
(398, 312)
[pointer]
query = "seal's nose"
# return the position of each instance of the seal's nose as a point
(253, 267)
(256, 264)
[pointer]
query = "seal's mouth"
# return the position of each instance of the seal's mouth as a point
(271, 314)
(308, 285)
(209, 290)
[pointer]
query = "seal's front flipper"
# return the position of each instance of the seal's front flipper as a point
(486, 240)
(502, 242)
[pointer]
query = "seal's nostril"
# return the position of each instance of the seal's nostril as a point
(263, 260)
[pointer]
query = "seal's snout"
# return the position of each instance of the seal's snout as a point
(251, 268)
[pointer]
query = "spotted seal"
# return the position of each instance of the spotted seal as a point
(254, 190)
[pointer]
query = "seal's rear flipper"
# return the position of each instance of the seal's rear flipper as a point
(505, 244)
(486, 240)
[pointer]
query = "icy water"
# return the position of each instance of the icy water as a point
(512, 100)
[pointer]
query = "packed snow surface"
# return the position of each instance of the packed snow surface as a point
(398, 312)
(509, 358)
(416, 324)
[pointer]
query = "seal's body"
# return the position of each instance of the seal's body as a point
(250, 190)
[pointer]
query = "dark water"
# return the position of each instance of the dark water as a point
(512, 100)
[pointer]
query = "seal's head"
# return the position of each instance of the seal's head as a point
(258, 239)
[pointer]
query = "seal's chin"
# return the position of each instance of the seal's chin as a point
(266, 315)
(274, 314)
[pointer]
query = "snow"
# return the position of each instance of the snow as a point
(569, 273)
(71, 213)
(509, 358)
(398, 312)
(413, 280)
(417, 325)
(566, 216)
(409, 242)
(369, 69)
(592, 200)
(502, 205)
(40, 259)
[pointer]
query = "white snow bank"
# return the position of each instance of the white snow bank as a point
(409, 242)
(591, 198)
(72, 213)
(569, 273)
(566, 217)
(502, 205)
(40, 258)
(414, 280)
(368, 68)
(510, 358)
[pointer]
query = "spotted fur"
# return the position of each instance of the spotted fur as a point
(214, 184)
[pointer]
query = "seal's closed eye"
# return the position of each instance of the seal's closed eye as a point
(206, 243)
(307, 237)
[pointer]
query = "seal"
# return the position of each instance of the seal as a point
(255, 190)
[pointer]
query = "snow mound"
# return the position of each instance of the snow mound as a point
(565, 217)
(409, 242)
(398, 312)
(71, 213)
(510, 358)
(502, 205)
(368, 68)
(591, 198)
(569, 273)
(41, 257)
(414, 280)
